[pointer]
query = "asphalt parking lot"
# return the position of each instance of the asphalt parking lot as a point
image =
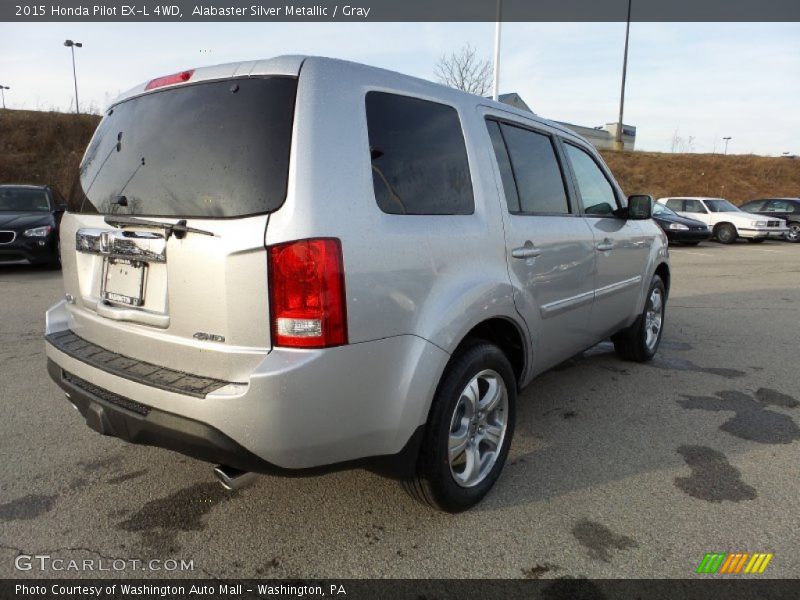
(616, 470)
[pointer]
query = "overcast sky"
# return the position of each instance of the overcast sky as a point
(703, 81)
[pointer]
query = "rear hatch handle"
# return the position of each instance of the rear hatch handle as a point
(180, 229)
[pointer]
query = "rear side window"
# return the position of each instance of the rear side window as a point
(693, 206)
(216, 149)
(674, 204)
(540, 184)
(753, 206)
(597, 195)
(419, 159)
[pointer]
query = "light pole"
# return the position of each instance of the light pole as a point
(727, 139)
(496, 84)
(72, 45)
(618, 145)
(3, 89)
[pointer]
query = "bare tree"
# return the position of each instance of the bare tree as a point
(464, 70)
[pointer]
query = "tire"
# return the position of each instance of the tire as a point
(444, 483)
(634, 343)
(794, 232)
(755, 240)
(726, 233)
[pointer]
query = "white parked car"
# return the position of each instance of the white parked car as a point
(726, 220)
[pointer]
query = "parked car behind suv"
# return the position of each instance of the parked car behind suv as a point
(727, 222)
(29, 220)
(680, 229)
(297, 263)
(787, 209)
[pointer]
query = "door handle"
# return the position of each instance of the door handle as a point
(605, 245)
(526, 251)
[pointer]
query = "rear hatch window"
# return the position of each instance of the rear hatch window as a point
(216, 149)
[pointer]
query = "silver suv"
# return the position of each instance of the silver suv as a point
(301, 263)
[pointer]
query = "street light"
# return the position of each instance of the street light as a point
(727, 139)
(618, 145)
(496, 74)
(72, 45)
(3, 88)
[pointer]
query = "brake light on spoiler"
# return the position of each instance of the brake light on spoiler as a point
(181, 77)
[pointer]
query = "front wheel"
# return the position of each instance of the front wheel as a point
(640, 341)
(794, 232)
(726, 234)
(469, 430)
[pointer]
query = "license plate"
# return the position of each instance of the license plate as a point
(124, 281)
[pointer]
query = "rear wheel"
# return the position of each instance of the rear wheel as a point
(469, 430)
(640, 341)
(794, 232)
(725, 233)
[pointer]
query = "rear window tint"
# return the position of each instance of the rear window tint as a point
(418, 155)
(537, 172)
(217, 149)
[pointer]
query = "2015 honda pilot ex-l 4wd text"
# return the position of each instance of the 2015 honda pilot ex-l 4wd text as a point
(303, 263)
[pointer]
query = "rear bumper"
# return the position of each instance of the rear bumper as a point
(113, 415)
(299, 409)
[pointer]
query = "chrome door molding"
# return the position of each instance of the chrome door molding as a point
(558, 307)
(607, 290)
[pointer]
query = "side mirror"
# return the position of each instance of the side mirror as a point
(640, 207)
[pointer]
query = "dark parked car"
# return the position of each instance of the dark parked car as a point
(680, 229)
(787, 209)
(29, 220)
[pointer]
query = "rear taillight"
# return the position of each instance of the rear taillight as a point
(181, 77)
(307, 299)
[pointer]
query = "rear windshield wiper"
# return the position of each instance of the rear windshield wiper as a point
(180, 228)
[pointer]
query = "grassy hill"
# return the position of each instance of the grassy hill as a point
(46, 147)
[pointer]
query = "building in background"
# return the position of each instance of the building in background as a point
(602, 136)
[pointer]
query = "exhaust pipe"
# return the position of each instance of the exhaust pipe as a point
(233, 479)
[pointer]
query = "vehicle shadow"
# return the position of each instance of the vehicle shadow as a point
(28, 272)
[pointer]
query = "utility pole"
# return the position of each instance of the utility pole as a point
(618, 144)
(72, 45)
(3, 89)
(727, 139)
(496, 85)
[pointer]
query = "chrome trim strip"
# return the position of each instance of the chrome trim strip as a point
(13, 237)
(552, 309)
(146, 246)
(617, 287)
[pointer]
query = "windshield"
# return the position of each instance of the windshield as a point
(721, 206)
(23, 200)
(218, 149)
(660, 209)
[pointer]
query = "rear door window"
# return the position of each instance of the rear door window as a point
(693, 206)
(535, 168)
(675, 204)
(418, 156)
(214, 149)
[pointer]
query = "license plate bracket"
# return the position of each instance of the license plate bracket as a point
(124, 281)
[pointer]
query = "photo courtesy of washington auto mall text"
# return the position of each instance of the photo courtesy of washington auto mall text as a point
(441, 299)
